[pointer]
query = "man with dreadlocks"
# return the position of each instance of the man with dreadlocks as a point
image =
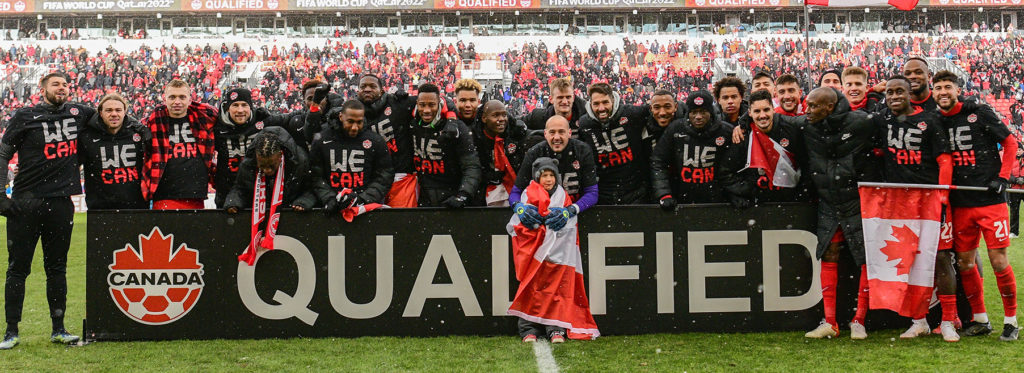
(274, 165)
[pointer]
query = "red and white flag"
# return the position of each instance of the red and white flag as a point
(901, 238)
(349, 213)
(777, 162)
(549, 268)
(898, 4)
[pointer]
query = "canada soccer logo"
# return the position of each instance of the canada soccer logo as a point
(449, 3)
(136, 137)
(623, 120)
(196, 4)
(721, 141)
(234, 96)
(74, 111)
(700, 3)
(784, 143)
(19, 6)
(387, 111)
(367, 144)
(259, 125)
(511, 148)
(922, 126)
(972, 118)
(272, 4)
(576, 164)
(156, 284)
(525, 3)
(698, 101)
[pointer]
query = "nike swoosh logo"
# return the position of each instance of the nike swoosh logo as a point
(328, 142)
(36, 117)
(95, 140)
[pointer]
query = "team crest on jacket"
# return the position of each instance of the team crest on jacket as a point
(623, 120)
(922, 126)
(155, 284)
(234, 95)
(136, 137)
(698, 101)
(972, 118)
(387, 110)
(259, 125)
(721, 141)
(367, 144)
(784, 142)
(576, 164)
(74, 111)
(511, 148)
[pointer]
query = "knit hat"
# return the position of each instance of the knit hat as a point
(545, 163)
(237, 94)
(700, 100)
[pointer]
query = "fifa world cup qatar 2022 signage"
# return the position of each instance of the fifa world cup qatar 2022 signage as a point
(430, 272)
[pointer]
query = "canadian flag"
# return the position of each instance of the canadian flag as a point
(899, 4)
(549, 268)
(350, 213)
(768, 155)
(901, 238)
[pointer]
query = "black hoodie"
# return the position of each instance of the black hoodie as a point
(623, 159)
(296, 176)
(362, 164)
(686, 159)
(112, 164)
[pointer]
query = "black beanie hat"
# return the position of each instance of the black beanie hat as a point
(238, 94)
(701, 100)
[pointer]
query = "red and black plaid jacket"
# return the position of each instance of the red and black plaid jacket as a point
(202, 117)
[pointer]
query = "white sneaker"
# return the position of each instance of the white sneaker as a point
(916, 330)
(949, 332)
(825, 330)
(1013, 235)
(857, 331)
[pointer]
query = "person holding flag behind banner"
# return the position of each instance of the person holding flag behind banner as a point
(350, 164)
(915, 151)
(551, 297)
(273, 155)
(975, 134)
(765, 167)
(839, 151)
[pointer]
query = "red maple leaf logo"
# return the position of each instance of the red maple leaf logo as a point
(903, 248)
(155, 253)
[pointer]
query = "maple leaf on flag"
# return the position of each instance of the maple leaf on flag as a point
(903, 248)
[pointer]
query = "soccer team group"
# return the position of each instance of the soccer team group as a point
(429, 150)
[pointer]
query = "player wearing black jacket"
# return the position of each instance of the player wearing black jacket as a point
(747, 186)
(840, 144)
(496, 133)
(237, 126)
(45, 138)
(615, 132)
(297, 190)
(348, 155)
(687, 158)
(447, 166)
(561, 101)
(663, 110)
(111, 149)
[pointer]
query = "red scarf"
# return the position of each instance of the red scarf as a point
(259, 238)
(498, 194)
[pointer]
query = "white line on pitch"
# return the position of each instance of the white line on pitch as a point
(545, 361)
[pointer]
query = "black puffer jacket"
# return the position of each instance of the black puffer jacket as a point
(231, 141)
(840, 154)
(444, 167)
(515, 148)
(297, 187)
(538, 118)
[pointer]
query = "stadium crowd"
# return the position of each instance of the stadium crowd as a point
(342, 128)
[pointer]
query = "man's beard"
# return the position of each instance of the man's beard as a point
(53, 100)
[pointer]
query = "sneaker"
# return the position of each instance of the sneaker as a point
(948, 331)
(956, 324)
(915, 330)
(63, 337)
(530, 338)
(825, 330)
(857, 331)
(977, 328)
(10, 340)
(1013, 235)
(557, 338)
(1009, 333)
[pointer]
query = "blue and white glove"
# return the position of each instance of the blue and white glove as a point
(528, 214)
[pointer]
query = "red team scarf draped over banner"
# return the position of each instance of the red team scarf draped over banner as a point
(549, 268)
(901, 240)
(259, 206)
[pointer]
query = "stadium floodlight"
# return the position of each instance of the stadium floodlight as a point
(337, 14)
(278, 15)
(219, 15)
(577, 12)
(398, 14)
(634, 11)
(867, 10)
(695, 11)
(158, 16)
(517, 12)
(39, 16)
(751, 10)
(99, 16)
(458, 12)
(980, 9)
(924, 10)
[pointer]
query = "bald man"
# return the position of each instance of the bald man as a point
(576, 164)
(500, 144)
(839, 148)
